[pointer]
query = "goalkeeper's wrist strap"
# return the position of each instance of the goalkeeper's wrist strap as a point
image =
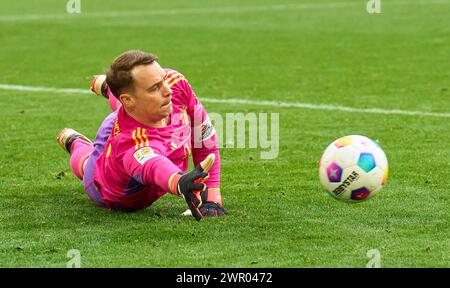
(173, 183)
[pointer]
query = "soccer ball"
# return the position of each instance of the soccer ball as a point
(353, 168)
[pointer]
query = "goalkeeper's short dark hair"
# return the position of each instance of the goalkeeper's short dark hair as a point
(119, 77)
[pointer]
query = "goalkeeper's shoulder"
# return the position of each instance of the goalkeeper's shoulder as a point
(173, 77)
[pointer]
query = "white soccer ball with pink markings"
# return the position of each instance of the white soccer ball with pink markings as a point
(353, 168)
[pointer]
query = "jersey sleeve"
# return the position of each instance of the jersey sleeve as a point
(203, 135)
(148, 167)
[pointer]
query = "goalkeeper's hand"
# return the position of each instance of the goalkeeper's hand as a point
(191, 184)
(211, 208)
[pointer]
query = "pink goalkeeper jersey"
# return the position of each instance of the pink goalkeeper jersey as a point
(135, 161)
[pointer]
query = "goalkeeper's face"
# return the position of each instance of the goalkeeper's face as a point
(150, 99)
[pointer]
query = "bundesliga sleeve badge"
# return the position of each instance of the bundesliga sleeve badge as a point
(144, 154)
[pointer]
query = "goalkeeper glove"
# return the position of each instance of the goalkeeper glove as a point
(210, 208)
(191, 184)
(210, 205)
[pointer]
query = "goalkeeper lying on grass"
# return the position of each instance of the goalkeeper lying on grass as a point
(142, 149)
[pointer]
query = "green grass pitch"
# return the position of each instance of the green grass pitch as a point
(319, 52)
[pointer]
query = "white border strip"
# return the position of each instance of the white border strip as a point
(248, 102)
(217, 10)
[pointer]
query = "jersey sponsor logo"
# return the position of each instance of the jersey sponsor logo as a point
(144, 154)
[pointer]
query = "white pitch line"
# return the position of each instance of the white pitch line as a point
(189, 11)
(234, 101)
(326, 107)
(44, 89)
